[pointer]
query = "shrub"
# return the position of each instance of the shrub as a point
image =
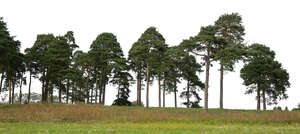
(134, 103)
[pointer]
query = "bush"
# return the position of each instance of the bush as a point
(134, 103)
(121, 102)
(278, 108)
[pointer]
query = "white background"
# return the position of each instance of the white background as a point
(270, 22)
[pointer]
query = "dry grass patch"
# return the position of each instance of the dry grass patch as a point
(103, 114)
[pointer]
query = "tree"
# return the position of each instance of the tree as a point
(181, 64)
(10, 58)
(261, 73)
(81, 62)
(205, 44)
(230, 29)
(191, 104)
(122, 79)
(147, 49)
(40, 56)
(51, 56)
(107, 56)
(136, 63)
(30, 66)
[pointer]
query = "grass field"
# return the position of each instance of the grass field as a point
(96, 119)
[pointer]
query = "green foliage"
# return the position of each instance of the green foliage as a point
(230, 32)
(135, 104)
(193, 103)
(262, 69)
(121, 102)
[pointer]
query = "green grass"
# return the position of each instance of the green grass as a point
(95, 119)
(144, 128)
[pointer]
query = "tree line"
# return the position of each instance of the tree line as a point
(78, 76)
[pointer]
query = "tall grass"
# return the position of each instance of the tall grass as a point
(103, 114)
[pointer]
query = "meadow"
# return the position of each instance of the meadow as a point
(97, 119)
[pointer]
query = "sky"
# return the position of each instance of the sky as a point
(274, 23)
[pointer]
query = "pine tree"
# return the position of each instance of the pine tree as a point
(230, 29)
(205, 45)
(263, 74)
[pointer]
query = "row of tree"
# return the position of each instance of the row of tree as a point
(83, 76)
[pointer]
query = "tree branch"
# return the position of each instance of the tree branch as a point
(198, 54)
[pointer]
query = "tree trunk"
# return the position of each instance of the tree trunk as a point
(59, 94)
(87, 84)
(72, 95)
(206, 84)
(2, 77)
(264, 100)
(140, 90)
(103, 97)
(47, 91)
(188, 93)
(67, 92)
(138, 99)
(20, 94)
(159, 93)
(164, 94)
(92, 93)
(29, 88)
(43, 86)
(9, 90)
(100, 93)
(97, 87)
(175, 96)
(221, 86)
(51, 96)
(13, 92)
(258, 97)
(101, 88)
(147, 88)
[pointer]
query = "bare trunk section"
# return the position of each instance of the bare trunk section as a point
(46, 91)
(221, 86)
(43, 86)
(13, 92)
(29, 88)
(87, 84)
(20, 94)
(67, 92)
(73, 94)
(9, 85)
(138, 89)
(175, 95)
(147, 88)
(206, 83)
(2, 77)
(9, 90)
(100, 94)
(100, 89)
(188, 93)
(51, 94)
(264, 100)
(97, 87)
(59, 94)
(159, 93)
(103, 97)
(258, 97)
(92, 93)
(164, 94)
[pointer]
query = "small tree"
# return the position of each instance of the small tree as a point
(261, 73)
